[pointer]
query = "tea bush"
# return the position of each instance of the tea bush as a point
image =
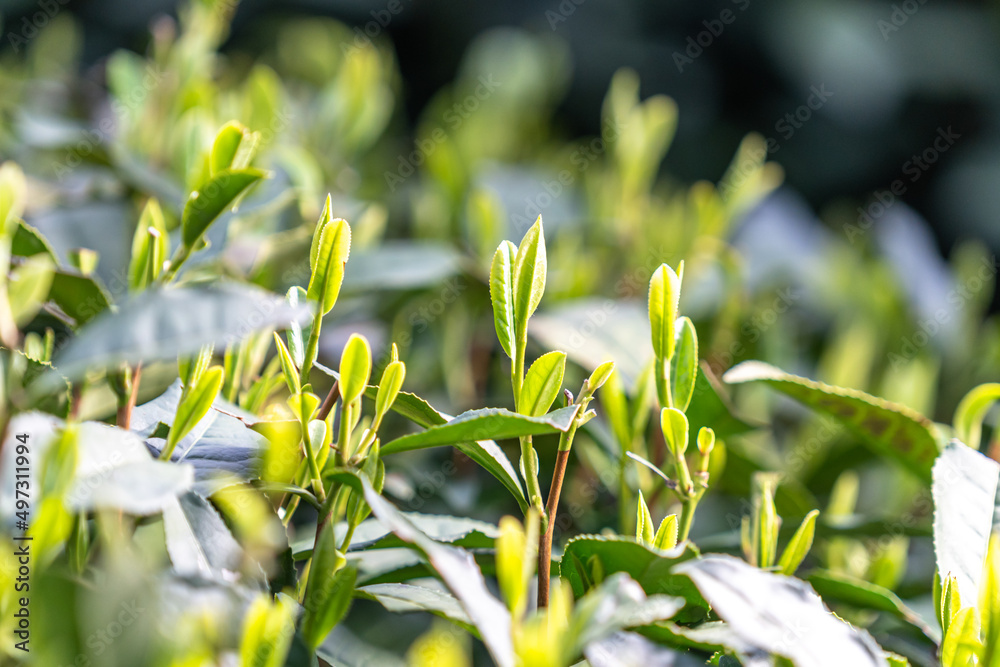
(234, 288)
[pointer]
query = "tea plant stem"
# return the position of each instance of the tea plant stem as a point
(688, 507)
(551, 509)
(329, 402)
(124, 416)
(312, 347)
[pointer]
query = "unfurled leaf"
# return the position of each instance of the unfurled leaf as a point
(798, 547)
(891, 430)
(329, 590)
(328, 254)
(664, 295)
(666, 534)
(972, 410)
(502, 295)
(530, 267)
(355, 368)
(268, 629)
(214, 197)
(675, 431)
(684, 364)
(643, 522)
(542, 384)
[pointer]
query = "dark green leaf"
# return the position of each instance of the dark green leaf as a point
(492, 423)
(891, 430)
(835, 587)
(160, 325)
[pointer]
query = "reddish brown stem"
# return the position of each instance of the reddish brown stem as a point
(545, 547)
(329, 402)
(125, 411)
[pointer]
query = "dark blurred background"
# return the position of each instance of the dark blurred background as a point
(850, 92)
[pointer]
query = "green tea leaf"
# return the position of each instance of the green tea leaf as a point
(403, 598)
(13, 193)
(664, 295)
(861, 594)
(965, 489)
(684, 364)
(30, 241)
(972, 410)
(502, 296)
(355, 368)
(388, 389)
(542, 384)
(233, 148)
(458, 570)
(666, 534)
(267, 632)
(487, 423)
(208, 203)
(150, 245)
(643, 522)
(288, 368)
(530, 267)
(195, 405)
(329, 591)
(28, 288)
(675, 431)
(328, 255)
(650, 567)
(165, 323)
(962, 644)
(765, 609)
(889, 429)
(81, 297)
(798, 547)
